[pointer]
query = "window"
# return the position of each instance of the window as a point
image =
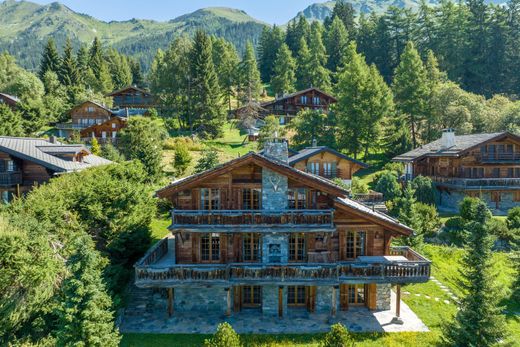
(84, 121)
(327, 169)
(251, 247)
(209, 199)
(473, 194)
(103, 134)
(251, 199)
(356, 294)
(114, 134)
(303, 99)
(210, 247)
(355, 244)
(114, 125)
(315, 100)
(495, 172)
(91, 121)
(251, 296)
(11, 166)
(297, 198)
(516, 196)
(314, 168)
(296, 295)
(297, 247)
(517, 172)
(90, 109)
(509, 148)
(510, 172)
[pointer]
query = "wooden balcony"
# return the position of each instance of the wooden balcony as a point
(477, 183)
(403, 266)
(498, 157)
(10, 178)
(263, 220)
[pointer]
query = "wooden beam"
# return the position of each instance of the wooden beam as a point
(170, 302)
(333, 310)
(228, 297)
(280, 302)
(398, 301)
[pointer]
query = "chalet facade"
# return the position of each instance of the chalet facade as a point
(84, 115)
(287, 106)
(9, 100)
(477, 165)
(257, 234)
(326, 162)
(104, 132)
(27, 162)
(132, 97)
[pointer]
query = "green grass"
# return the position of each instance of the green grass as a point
(160, 226)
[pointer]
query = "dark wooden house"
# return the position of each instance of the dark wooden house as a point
(27, 162)
(84, 115)
(476, 165)
(107, 131)
(132, 97)
(9, 100)
(257, 233)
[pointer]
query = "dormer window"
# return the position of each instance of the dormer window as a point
(209, 199)
(316, 100)
(90, 109)
(303, 99)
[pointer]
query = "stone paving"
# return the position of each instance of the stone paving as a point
(360, 319)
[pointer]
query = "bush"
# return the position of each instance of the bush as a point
(207, 161)
(181, 159)
(499, 229)
(224, 337)
(358, 186)
(427, 222)
(468, 209)
(513, 218)
(397, 168)
(192, 144)
(338, 336)
(387, 185)
(424, 190)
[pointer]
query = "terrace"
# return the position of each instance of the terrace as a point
(477, 183)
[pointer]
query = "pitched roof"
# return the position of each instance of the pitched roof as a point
(122, 119)
(63, 149)
(10, 97)
(92, 102)
(276, 165)
(38, 151)
(288, 96)
(462, 144)
(310, 151)
(129, 88)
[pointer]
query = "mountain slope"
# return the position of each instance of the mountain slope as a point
(26, 26)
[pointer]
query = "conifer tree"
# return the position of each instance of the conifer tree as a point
(270, 41)
(336, 43)
(299, 30)
(50, 59)
(250, 84)
(284, 77)
(11, 122)
(181, 159)
(312, 125)
(318, 74)
(205, 97)
(82, 59)
(303, 80)
(411, 90)
(68, 74)
(225, 58)
(99, 68)
(137, 74)
(86, 316)
(434, 77)
(345, 12)
(207, 161)
(479, 321)
(94, 147)
(120, 71)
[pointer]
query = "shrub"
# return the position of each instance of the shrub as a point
(192, 144)
(94, 147)
(397, 168)
(181, 159)
(427, 222)
(358, 186)
(468, 208)
(224, 337)
(207, 161)
(499, 229)
(338, 336)
(513, 218)
(424, 190)
(387, 185)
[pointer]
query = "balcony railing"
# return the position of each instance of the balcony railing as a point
(498, 157)
(10, 178)
(478, 182)
(65, 126)
(378, 269)
(200, 219)
(326, 173)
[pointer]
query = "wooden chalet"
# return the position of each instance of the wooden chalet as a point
(326, 162)
(9, 100)
(27, 162)
(84, 115)
(132, 97)
(105, 132)
(287, 106)
(257, 233)
(476, 165)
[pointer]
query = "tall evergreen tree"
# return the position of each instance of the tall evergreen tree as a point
(137, 74)
(284, 77)
(479, 321)
(86, 316)
(303, 65)
(411, 90)
(318, 74)
(207, 110)
(336, 43)
(270, 41)
(434, 77)
(345, 12)
(225, 58)
(250, 83)
(99, 68)
(68, 74)
(120, 71)
(50, 59)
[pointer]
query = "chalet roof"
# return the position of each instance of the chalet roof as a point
(273, 164)
(94, 103)
(63, 149)
(310, 151)
(288, 96)
(123, 119)
(38, 151)
(462, 144)
(366, 211)
(115, 92)
(10, 97)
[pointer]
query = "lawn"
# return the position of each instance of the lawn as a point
(420, 297)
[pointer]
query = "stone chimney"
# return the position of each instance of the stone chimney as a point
(53, 139)
(277, 149)
(314, 143)
(448, 138)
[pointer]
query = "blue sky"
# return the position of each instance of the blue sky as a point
(270, 11)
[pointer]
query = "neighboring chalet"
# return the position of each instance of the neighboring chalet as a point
(477, 165)
(104, 132)
(132, 97)
(287, 106)
(326, 162)
(9, 100)
(26, 162)
(257, 233)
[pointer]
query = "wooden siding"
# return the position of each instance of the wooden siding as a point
(345, 168)
(81, 111)
(107, 127)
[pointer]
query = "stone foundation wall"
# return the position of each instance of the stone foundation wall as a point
(324, 299)
(450, 201)
(270, 300)
(212, 299)
(383, 295)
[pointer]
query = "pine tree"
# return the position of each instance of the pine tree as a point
(318, 74)
(86, 316)
(205, 97)
(50, 59)
(120, 72)
(225, 58)
(284, 77)
(434, 77)
(137, 74)
(11, 122)
(99, 68)
(68, 74)
(345, 12)
(207, 161)
(336, 43)
(268, 131)
(94, 147)
(250, 84)
(303, 80)
(270, 41)
(181, 159)
(411, 90)
(479, 321)
(312, 125)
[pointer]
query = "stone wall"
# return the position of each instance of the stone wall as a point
(275, 248)
(270, 300)
(383, 295)
(274, 190)
(450, 201)
(324, 299)
(199, 298)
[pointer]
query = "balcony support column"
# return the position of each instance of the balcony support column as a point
(228, 299)
(280, 302)
(397, 319)
(170, 301)
(333, 305)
